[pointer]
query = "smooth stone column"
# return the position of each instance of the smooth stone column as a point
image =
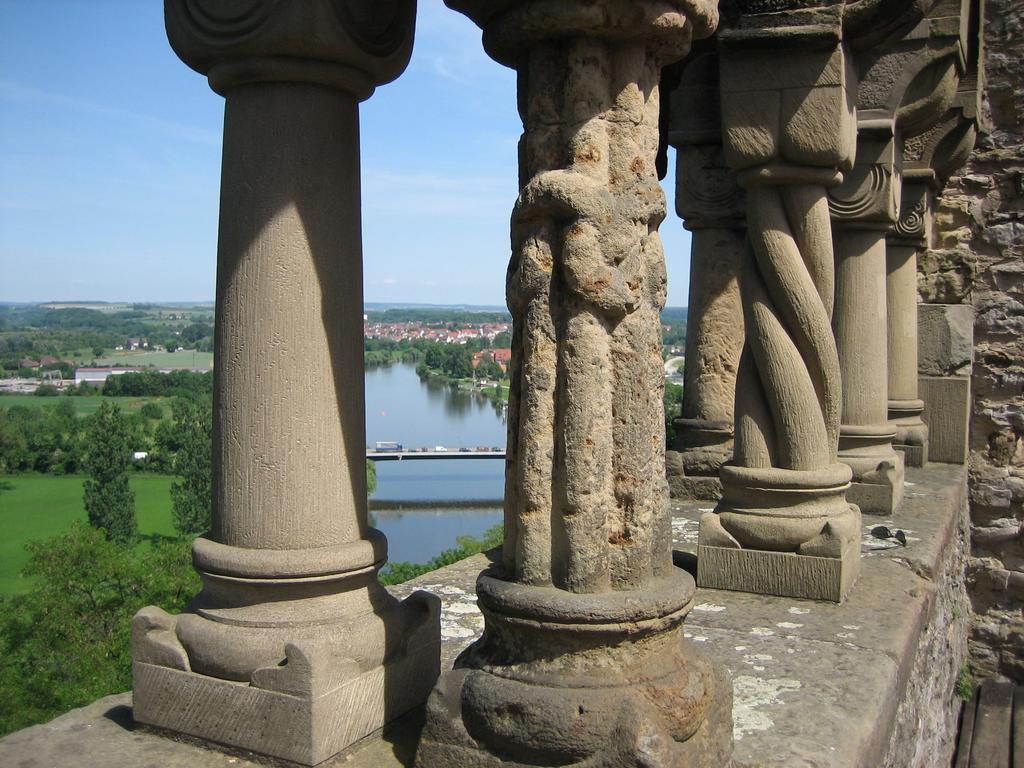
(292, 648)
(863, 210)
(783, 525)
(912, 81)
(911, 233)
(712, 206)
(582, 660)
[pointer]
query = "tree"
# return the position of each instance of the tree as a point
(109, 501)
(489, 369)
(371, 478)
(152, 410)
(67, 642)
(673, 399)
(192, 493)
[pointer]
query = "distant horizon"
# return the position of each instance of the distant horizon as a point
(211, 302)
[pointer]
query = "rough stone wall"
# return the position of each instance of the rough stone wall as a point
(979, 260)
(926, 721)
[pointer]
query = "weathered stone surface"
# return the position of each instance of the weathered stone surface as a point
(945, 339)
(947, 412)
(788, 128)
(786, 574)
(979, 261)
(875, 674)
(712, 207)
(580, 661)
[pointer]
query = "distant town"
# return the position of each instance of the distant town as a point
(60, 345)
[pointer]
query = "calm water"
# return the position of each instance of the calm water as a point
(413, 504)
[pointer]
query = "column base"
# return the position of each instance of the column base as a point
(288, 653)
(782, 532)
(911, 431)
(878, 470)
(787, 574)
(701, 448)
(596, 680)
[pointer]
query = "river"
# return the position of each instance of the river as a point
(421, 506)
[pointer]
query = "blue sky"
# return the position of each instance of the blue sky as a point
(110, 163)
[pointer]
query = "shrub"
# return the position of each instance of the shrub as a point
(466, 546)
(66, 642)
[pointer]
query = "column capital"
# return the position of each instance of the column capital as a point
(915, 79)
(869, 196)
(936, 154)
(512, 27)
(788, 118)
(352, 45)
(914, 225)
(707, 194)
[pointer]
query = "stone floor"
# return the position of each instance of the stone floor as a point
(819, 685)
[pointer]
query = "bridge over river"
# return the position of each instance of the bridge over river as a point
(438, 452)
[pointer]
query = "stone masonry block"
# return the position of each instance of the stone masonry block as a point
(945, 339)
(787, 574)
(947, 411)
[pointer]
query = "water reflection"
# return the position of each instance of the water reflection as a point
(421, 506)
(416, 535)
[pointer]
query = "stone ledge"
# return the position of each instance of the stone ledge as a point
(868, 682)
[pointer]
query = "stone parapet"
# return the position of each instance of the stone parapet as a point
(869, 682)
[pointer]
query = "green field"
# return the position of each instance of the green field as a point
(183, 358)
(41, 506)
(84, 406)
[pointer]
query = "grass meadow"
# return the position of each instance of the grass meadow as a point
(42, 506)
(85, 406)
(183, 358)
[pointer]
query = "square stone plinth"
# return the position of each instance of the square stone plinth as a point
(881, 498)
(304, 728)
(786, 574)
(913, 455)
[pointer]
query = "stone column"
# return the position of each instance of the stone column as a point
(582, 661)
(292, 648)
(911, 234)
(783, 525)
(863, 209)
(711, 204)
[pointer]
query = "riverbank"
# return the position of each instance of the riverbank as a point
(496, 392)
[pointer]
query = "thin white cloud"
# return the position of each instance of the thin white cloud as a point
(16, 93)
(406, 194)
(449, 45)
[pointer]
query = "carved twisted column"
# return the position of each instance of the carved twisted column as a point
(712, 206)
(783, 525)
(292, 648)
(581, 661)
(863, 210)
